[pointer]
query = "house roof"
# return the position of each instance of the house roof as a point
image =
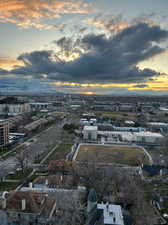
(59, 165)
(37, 203)
(55, 181)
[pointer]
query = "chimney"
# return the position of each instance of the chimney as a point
(61, 177)
(46, 182)
(161, 172)
(23, 204)
(30, 185)
(4, 203)
(107, 206)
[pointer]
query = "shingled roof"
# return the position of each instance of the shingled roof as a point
(38, 203)
(60, 165)
(56, 181)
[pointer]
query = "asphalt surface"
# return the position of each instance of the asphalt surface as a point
(38, 145)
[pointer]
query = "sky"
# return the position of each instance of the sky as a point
(109, 47)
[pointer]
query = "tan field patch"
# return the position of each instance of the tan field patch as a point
(112, 154)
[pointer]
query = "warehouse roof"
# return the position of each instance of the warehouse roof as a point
(112, 213)
(148, 134)
(90, 128)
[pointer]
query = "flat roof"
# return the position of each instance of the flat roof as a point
(129, 121)
(90, 128)
(3, 121)
(112, 214)
(125, 134)
(40, 103)
(130, 134)
(158, 123)
(148, 134)
(163, 109)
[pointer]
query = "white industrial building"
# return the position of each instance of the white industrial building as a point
(149, 137)
(115, 136)
(145, 137)
(12, 106)
(90, 132)
(140, 137)
(112, 214)
(38, 106)
(157, 126)
(163, 109)
(129, 123)
(14, 109)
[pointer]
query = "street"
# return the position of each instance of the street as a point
(36, 146)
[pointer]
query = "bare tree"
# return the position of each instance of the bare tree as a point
(69, 211)
(3, 173)
(22, 159)
(119, 185)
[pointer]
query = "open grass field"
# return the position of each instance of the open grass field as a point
(132, 156)
(19, 175)
(60, 152)
(8, 186)
(118, 115)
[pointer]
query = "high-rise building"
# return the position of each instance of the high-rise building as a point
(4, 133)
(11, 106)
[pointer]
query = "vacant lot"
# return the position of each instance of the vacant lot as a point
(60, 152)
(118, 115)
(112, 154)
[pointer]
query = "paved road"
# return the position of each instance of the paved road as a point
(42, 143)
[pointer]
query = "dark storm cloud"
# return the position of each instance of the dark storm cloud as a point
(113, 24)
(140, 86)
(105, 59)
(3, 72)
(68, 46)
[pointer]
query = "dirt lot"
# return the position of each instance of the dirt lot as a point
(112, 154)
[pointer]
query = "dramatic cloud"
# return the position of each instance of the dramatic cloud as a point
(112, 59)
(23, 85)
(140, 86)
(114, 24)
(9, 63)
(3, 72)
(69, 48)
(26, 13)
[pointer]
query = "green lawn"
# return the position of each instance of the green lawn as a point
(112, 154)
(60, 152)
(40, 157)
(5, 151)
(19, 175)
(119, 115)
(7, 186)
